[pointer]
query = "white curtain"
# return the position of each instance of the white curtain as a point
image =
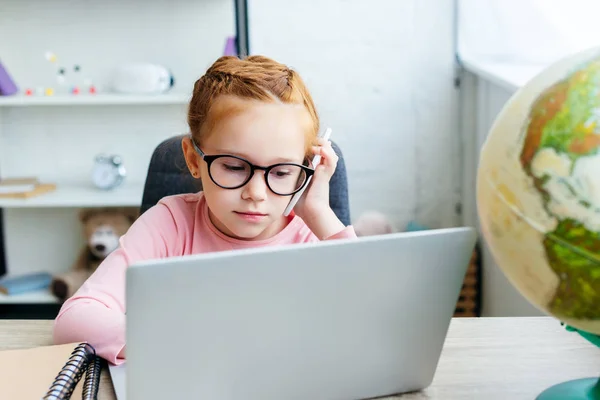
(526, 31)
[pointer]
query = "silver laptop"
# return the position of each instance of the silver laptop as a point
(344, 319)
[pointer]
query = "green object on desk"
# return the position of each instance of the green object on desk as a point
(577, 389)
(590, 337)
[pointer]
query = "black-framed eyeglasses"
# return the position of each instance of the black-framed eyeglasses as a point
(232, 172)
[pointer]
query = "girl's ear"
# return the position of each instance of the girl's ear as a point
(192, 158)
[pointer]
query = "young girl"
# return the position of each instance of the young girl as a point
(253, 124)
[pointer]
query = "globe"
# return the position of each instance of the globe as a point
(538, 199)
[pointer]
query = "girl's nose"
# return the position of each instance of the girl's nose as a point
(256, 189)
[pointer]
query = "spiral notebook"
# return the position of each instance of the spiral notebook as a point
(69, 371)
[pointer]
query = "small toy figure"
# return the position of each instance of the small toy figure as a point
(69, 80)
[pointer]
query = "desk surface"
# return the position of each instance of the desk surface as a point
(483, 358)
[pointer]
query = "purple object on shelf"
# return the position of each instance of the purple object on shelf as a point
(7, 85)
(230, 48)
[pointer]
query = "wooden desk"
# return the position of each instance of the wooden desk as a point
(483, 358)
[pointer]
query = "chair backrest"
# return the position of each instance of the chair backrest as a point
(168, 175)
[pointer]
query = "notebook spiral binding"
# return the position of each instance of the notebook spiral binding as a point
(92, 379)
(68, 377)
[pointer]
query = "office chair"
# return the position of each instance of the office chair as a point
(168, 175)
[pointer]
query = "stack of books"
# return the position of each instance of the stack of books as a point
(22, 188)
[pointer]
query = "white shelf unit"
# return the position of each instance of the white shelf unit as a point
(55, 138)
(110, 99)
(74, 195)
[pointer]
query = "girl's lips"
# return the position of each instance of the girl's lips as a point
(251, 216)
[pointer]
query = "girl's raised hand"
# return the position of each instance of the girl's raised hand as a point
(313, 207)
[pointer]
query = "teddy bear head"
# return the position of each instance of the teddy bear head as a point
(102, 228)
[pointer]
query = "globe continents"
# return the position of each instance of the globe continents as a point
(538, 190)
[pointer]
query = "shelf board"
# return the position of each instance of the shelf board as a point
(34, 297)
(129, 194)
(510, 76)
(20, 100)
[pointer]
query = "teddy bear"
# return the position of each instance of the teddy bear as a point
(102, 229)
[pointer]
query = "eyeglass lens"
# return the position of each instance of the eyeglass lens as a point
(230, 172)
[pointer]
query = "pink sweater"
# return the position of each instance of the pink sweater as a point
(177, 225)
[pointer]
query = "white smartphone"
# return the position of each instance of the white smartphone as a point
(315, 162)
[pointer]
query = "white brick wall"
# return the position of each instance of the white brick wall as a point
(381, 72)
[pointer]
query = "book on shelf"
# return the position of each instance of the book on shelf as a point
(24, 187)
(11, 285)
(67, 371)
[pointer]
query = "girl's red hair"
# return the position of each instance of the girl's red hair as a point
(255, 78)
